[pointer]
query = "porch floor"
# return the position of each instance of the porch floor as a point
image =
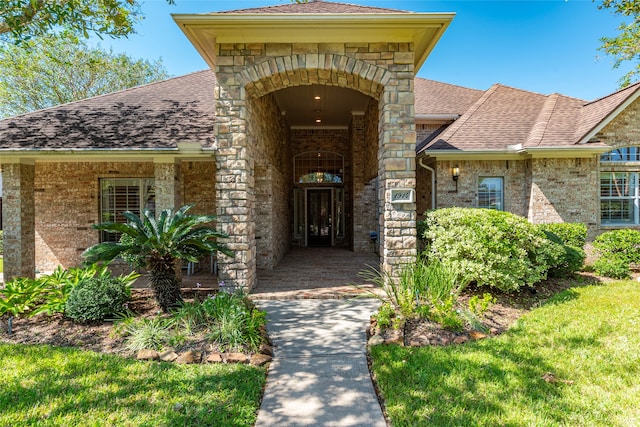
(306, 272)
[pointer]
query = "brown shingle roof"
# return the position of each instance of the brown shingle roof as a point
(153, 116)
(502, 116)
(433, 97)
(595, 112)
(314, 7)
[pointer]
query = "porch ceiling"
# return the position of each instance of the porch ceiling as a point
(333, 109)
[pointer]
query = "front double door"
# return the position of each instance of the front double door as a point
(319, 217)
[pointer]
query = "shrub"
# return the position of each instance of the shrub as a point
(489, 247)
(48, 294)
(570, 233)
(426, 290)
(570, 259)
(97, 298)
(230, 319)
(616, 250)
(612, 267)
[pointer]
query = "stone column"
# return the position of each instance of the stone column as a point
(397, 169)
(168, 184)
(235, 183)
(18, 213)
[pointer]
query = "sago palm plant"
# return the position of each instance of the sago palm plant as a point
(158, 244)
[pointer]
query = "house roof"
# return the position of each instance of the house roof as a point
(597, 112)
(154, 116)
(436, 98)
(508, 119)
(316, 7)
(160, 115)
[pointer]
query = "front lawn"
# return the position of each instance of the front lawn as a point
(57, 386)
(574, 361)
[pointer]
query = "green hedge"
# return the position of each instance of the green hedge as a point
(489, 247)
(616, 250)
(572, 237)
(571, 233)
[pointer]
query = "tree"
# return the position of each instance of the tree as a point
(626, 45)
(22, 19)
(54, 70)
(158, 245)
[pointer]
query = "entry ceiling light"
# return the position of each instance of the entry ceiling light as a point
(335, 105)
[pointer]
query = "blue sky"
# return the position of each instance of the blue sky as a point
(541, 46)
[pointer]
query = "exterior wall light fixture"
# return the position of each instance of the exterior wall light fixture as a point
(455, 173)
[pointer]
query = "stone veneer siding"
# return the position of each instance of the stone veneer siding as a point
(384, 71)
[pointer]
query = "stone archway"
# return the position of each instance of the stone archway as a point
(250, 72)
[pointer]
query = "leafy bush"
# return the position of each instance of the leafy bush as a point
(48, 294)
(97, 298)
(612, 267)
(230, 319)
(617, 249)
(489, 247)
(569, 260)
(570, 233)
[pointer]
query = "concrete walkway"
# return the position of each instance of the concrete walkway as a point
(319, 375)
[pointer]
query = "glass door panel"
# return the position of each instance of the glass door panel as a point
(319, 217)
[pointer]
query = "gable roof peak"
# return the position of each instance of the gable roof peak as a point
(314, 7)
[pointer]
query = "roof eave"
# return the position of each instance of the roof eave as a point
(422, 29)
(609, 118)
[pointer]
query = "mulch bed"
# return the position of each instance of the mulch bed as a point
(60, 331)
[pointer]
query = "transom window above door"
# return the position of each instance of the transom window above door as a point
(318, 167)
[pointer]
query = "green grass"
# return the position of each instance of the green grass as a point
(48, 386)
(588, 338)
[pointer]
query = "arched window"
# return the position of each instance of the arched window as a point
(619, 189)
(623, 154)
(318, 167)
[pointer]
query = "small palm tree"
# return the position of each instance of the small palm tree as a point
(158, 245)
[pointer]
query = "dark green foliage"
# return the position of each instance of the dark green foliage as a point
(97, 299)
(617, 249)
(489, 247)
(230, 319)
(570, 233)
(569, 261)
(426, 290)
(615, 268)
(158, 244)
(48, 294)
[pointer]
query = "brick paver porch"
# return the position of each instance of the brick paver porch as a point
(315, 273)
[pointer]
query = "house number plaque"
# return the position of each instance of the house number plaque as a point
(403, 195)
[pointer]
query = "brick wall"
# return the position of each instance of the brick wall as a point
(67, 204)
(564, 190)
(269, 137)
(514, 173)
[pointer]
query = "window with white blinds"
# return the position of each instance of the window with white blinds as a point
(118, 195)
